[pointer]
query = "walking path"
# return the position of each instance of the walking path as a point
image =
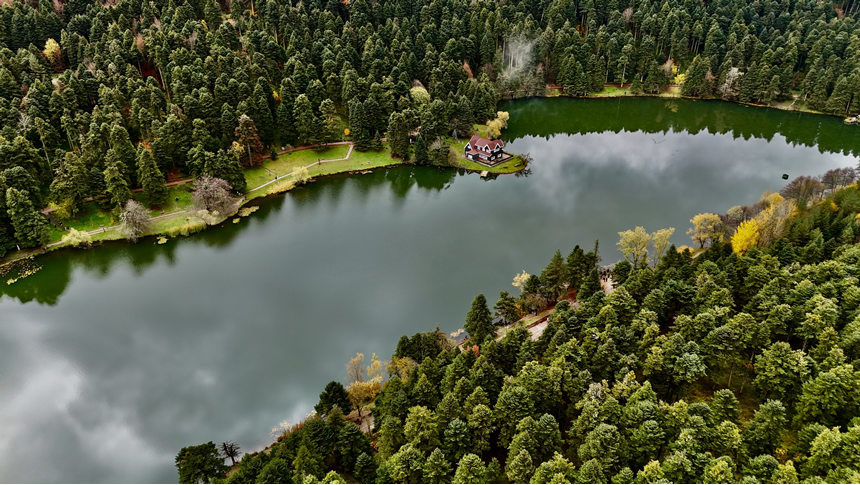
(178, 182)
(318, 162)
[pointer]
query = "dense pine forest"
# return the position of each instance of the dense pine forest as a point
(100, 98)
(733, 364)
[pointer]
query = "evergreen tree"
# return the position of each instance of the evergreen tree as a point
(359, 126)
(398, 136)
(150, 178)
(590, 286)
(117, 186)
(437, 469)
(520, 468)
(421, 155)
(31, 228)
(479, 322)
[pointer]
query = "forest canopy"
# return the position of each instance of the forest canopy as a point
(724, 364)
(100, 98)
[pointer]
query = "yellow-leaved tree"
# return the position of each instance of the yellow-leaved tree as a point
(365, 384)
(634, 246)
(746, 237)
(660, 239)
(520, 279)
(53, 54)
(495, 126)
(773, 220)
(706, 227)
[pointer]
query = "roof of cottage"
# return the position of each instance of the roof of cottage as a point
(477, 143)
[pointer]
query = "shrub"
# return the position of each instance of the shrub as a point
(76, 238)
(186, 229)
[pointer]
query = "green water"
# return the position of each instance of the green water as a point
(113, 359)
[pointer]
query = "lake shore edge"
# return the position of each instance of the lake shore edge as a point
(187, 218)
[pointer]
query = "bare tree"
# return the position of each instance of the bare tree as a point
(355, 369)
(802, 188)
(212, 194)
(230, 450)
(730, 88)
(838, 177)
(134, 220)
(627, 15)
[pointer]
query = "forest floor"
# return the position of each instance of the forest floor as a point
(177, 216)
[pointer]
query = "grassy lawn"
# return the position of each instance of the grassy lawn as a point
(91, 217)
(162, 225)
(507, 167)
(532, 319)
(256, 176)
(357, 161)
(609, 91)
(285, 164)
(178, 198)
(56, 234)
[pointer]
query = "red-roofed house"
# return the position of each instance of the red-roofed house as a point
(482, 150)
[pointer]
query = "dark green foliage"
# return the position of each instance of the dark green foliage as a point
(200, 464)
(479, 322)
(31, 228)
(334, 394)
(421, 155)
(151, 179)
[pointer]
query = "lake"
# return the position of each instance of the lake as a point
(114, 358)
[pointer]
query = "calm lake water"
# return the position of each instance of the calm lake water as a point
(113, 359)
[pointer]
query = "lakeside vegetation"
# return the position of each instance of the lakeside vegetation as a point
(731, 363)
(97, 100)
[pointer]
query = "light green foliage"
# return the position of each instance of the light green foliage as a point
(407, 465)
(548, 471)
(77, 238)
(829, 398)
(520, 468)
(780, 371)
(634, 246)
(420, 429)
(720, 470)
(437, 469)
(482, 425)
(470, 469)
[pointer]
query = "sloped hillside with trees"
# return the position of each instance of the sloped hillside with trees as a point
(737, 365)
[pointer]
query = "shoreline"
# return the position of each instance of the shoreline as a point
(673, 91)
(187, 216)
(610, 91)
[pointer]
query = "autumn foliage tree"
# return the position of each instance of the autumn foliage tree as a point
(746, 237)
(706, 227)
(247, 136)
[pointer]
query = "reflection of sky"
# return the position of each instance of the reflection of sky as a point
(223, 338)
